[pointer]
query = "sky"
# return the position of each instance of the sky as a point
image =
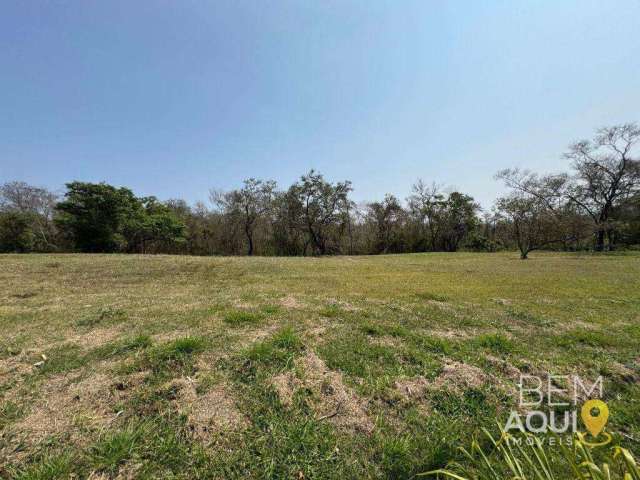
(173, 98)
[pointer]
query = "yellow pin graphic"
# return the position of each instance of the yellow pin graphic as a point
(595, 423)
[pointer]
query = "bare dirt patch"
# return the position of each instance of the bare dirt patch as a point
(332, 400)
(316, 331)
(450, 334)
(455, 377)
(412, 388)
(67, 404)
(444, 306)
(15, 366)
(510, 371)
(95, 338)
(210, 414)
(290, 302)
(285, 386)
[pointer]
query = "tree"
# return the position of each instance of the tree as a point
(387, 217)
(16, 234)
(458, 218)
(426, 204)
(96, 215)
(535, 212)
(606, 175)
(35, 205)
(248, 205)
(627, 216)
(288, 230)
(324, 209)
(529, 221)
(153, 227)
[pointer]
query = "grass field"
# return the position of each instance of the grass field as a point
(348, 367)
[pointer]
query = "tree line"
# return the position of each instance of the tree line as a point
(595, 206)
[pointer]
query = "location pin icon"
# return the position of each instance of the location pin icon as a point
(595, 423)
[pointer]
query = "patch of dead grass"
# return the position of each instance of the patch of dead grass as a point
(292, 303)
(455, 377)
(94, 338)
(451, 334)
(332, 400)
(285, 386)
(387, 341)
(208, 415)
(509, 371)
(70, 405)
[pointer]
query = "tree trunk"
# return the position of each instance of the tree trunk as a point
(611, 239)
(249, 235)
(600, 240)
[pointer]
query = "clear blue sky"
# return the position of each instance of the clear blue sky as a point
(174, 97)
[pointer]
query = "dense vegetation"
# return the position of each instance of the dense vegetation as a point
(595, 206)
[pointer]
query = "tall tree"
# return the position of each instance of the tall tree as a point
(535, 211)
(426, 205)
(95, 214)
(324, 209)
(16, 233)
(248, 205)
(153, 228)
(606, 175)
(34, 205)
(387, 217)
(531, 224)
(458, 219)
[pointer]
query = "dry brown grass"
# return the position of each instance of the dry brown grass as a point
(332, 400)
(210, 414)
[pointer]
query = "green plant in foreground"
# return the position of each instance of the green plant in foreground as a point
(529, 459)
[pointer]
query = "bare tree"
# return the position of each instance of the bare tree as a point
(530, 222)
(387, 217)
(248, 205)
(426, 204)
(607, 174)
(535, 212)
(39, 203)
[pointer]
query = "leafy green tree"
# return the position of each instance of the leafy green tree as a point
(97, 216)
(16, 233)
(153, 228)
(324, 210)
(458, 220)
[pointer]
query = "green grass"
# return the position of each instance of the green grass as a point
(173, 358)
(239, 317)
(160, 349)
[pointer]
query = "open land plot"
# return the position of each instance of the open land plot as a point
(344, 367)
